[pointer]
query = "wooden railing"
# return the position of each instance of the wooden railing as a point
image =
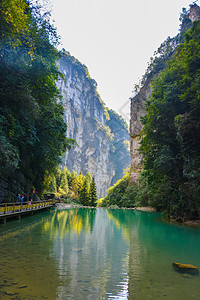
(17, 207)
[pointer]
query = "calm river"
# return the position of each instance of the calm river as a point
(97, 254)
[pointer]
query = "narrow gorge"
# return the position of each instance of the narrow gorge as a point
(101, 134)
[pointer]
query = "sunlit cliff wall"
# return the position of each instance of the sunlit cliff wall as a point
(101, 134)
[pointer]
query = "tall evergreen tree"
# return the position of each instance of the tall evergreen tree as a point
(93, 193)
(88, 179)
(49, 184)
(84, 196)
(63, 188)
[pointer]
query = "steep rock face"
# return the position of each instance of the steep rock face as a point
(138, 102)
(194, 13)
(121, 144)
(88, 122)
(137, 112)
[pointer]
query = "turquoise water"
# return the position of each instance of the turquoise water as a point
(97, 254)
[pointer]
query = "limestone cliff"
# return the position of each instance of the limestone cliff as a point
(165, 52)
(137, 112)
(100, 133)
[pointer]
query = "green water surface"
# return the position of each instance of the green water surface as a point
(97, 254)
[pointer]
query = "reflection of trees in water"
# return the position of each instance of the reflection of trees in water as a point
(23, 227)
(93, 262)
(70, 221)
(124, 220)
(154, 245)
(26, 262)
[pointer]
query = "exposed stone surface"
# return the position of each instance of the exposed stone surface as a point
(137, 112)
(147, 208)
(185, 268)
(194, 13)
(138, 105)
(101, 134)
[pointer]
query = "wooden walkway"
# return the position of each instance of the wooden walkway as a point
(13, 210)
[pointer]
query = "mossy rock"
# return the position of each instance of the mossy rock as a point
(185, 268)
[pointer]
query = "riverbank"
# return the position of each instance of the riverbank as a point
(66, 205)
(190, 223)
(146, 208)
(63, 205)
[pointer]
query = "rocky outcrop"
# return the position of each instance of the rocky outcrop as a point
(137, 112)
(138, 102)
(194, 13)
(101, 134)
(185, 268)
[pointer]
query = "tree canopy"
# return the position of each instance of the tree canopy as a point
(32, 129)
(170, 143)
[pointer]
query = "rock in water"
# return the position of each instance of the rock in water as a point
(185, 268)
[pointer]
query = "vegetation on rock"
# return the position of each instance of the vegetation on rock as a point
(121, 194)
(170, 180)
(170, 143)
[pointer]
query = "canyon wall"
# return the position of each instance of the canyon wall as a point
(101, 134)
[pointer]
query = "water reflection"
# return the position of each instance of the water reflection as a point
(70, 221)
(96, 254)
(154, 245)
(92, 257)
(27, 269)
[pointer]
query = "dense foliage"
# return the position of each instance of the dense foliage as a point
(171, 134)
(71, 187)
(121, 194)
(32, 130)
(170, 180)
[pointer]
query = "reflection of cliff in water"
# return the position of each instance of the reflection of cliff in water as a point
(97, 254)
(93, 253)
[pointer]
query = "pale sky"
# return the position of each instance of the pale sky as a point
(115, 39)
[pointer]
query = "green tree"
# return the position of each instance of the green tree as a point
(58, 177)
(170, 143)
(84, 196)
(49, 184)
(32, 128)
(88, 179)
(71, 177)
(63, 188)
(93, 193)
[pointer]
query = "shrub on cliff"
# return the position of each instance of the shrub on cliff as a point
(121, 194)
